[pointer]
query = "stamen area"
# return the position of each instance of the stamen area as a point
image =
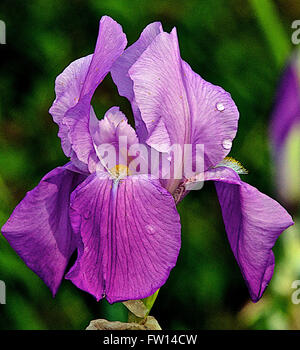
(119, 171)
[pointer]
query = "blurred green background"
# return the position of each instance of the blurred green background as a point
(240, 45)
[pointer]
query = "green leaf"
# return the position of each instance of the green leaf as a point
(272, 27)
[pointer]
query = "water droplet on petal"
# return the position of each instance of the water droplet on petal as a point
(150, 229)
(227, 144)
(220, 107)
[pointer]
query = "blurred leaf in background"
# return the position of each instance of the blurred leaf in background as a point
(239, 45)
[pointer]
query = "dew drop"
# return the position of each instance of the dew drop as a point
(227, 144)
(150, 229)
(220, 107)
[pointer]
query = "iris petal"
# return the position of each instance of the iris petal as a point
(76, 86)
(178, 106)
(120, 75)
(160, 92)
(130, 236)
(253, 222)
(39, 228)
(286, 112)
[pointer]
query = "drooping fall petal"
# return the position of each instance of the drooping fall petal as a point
(39, 228)
(253, 222)
(130, 234)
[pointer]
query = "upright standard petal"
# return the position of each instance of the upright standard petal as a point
(130, 234)
(113, 127)
(39, 228)
(113, 140)
(253, 222)
(214, 117)
(160, 93)
(120, 68)
(76, 86)
(68, 86)
(178, 106)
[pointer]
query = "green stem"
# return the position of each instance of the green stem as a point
(148, 302)
(275, 34)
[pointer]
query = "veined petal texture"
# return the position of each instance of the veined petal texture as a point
(39, 228)
(253, 222)
(130, 236)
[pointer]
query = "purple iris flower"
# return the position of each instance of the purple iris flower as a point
(124, 225)
(285, 133)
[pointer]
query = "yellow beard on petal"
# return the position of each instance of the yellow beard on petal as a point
(234, 164)
(119, 171)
